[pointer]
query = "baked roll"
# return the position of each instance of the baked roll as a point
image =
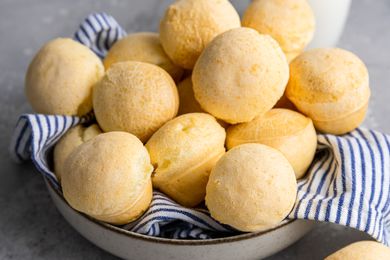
(108, 178)
(183, 153)
(61, 76)
(241, 74)
(251, 188)
(189, 25)
(290, 22)
(290, 132)
(331, 86)
(135, 97)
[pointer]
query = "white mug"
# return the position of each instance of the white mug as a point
(331, 16)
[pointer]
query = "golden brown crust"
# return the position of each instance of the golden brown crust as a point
(61, 76)
(108, 178)
(189, 25)
(290, 22)
(183, 151)
(288, 131)
(135, 97)
(251, 188)
(331, 86)
(240, 75)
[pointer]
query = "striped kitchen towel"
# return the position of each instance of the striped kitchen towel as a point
(99, 31)
(348, 182)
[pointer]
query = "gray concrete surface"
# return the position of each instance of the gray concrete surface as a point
(30, 226)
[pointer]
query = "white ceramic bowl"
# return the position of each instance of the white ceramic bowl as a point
(130, 245)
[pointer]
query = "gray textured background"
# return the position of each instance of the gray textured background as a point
(30, 226)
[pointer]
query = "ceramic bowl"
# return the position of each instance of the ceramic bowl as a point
(130, 245)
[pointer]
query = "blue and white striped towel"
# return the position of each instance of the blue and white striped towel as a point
(348, 182)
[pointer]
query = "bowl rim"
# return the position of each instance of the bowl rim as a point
(177, 242)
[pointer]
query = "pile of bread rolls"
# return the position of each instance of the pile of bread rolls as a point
(191, 111)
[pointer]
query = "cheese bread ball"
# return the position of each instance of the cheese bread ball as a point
(108, 178)
(145, 47)
(288, 131)
(251, 188)
(189, 25)
(72, 139)
(290, 22)
(183, 152)
(363, 250)
(331, 86)
(241, 74)
(60, 78)
(135, 97)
